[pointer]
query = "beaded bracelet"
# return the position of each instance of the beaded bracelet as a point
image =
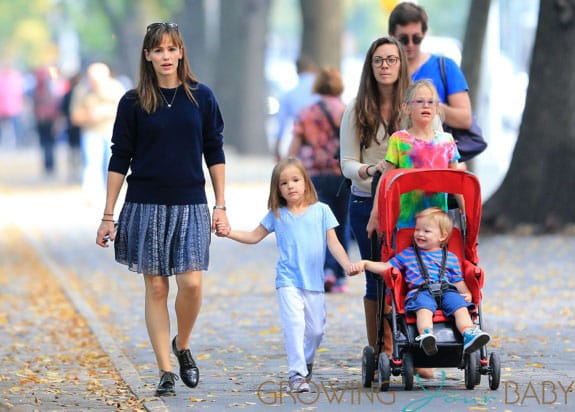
(107, 220)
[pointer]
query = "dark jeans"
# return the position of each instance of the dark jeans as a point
(359, 211)
(46, 135)
(332, 190)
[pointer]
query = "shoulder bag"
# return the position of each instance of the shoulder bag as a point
(470, 141)
(345, 182)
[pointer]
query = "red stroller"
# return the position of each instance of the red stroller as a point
(406, 354)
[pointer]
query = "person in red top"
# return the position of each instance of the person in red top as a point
(316, 143)
(46, 112)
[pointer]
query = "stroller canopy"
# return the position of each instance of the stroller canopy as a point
(398, 181)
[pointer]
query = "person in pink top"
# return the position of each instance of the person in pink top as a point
(46, 112)
(11, 105)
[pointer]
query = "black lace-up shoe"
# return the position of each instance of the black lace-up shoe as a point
(167, 385)
(189, 372)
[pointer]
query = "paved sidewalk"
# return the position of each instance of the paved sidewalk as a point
(72, 334)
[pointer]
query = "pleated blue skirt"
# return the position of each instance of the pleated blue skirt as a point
(163, 240)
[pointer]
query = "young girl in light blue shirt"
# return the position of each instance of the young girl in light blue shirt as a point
(304, 227)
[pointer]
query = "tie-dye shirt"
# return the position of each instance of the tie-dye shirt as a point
(406, 151)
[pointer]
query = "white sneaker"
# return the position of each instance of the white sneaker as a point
(427, 342)
(298, 384)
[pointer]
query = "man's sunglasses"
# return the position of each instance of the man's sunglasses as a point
(168, 26)
(415, 39)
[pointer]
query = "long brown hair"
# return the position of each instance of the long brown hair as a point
(148, 89)
(368, 101)
(275, 199)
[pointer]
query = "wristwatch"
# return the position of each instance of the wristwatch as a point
(219, 207)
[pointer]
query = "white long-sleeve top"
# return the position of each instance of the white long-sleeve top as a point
(353, 156)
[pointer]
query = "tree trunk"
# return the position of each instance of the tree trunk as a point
(240, 85)
(195, 35)
(129, 34)
(538, 188)
(473, 45)
(322, 31)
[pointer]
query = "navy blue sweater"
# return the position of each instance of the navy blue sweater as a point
(164, 149)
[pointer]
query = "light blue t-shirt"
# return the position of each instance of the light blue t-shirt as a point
(455, 79)
(301, 241)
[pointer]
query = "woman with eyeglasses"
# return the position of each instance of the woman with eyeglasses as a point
(165, 129)
(408, 24)
(366, 125)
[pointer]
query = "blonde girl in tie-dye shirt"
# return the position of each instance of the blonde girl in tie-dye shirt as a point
(420, 145)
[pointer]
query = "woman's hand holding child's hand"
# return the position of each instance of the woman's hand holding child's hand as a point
(222, 229)
(355, 268)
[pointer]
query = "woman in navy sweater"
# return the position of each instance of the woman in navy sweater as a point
(165, 128)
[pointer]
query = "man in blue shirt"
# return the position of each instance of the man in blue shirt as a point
(408, 24)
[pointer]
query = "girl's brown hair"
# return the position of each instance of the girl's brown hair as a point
(147, 88)
(368, 101)
(275, 199)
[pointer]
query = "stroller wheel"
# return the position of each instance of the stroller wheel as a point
(494, 371)
(472, 372)
(384, 369)
(367, 366)
(407, 372)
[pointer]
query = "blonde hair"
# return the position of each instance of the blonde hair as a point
(275, 199)
(405, 119)
(439, 216)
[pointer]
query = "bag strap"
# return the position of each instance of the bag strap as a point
(327, 115)
(422, 267)
(443, 75)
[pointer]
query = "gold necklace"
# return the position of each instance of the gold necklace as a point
(173, 97)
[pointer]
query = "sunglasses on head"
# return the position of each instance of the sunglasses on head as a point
(415, 39)
(168, 26)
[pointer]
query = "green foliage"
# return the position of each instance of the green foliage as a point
(365, 21)
(28, 35)
(25, 38)
(93, 28)
(447, 17)
(285, 27)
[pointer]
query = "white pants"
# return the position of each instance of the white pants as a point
(96, 155)
(303, 318)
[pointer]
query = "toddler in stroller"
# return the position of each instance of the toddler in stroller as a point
(434, 279)
(418, 342)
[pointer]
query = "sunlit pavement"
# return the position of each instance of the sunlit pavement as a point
(528, 308)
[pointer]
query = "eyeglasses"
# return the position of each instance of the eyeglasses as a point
(390, 60)
(419, 103)
(415, 39)
(168, 26)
